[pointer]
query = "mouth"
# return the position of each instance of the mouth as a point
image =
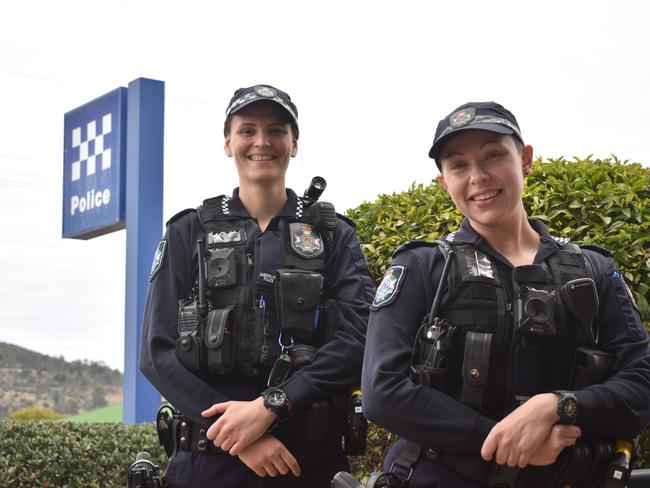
(261, 157)
(481, 197)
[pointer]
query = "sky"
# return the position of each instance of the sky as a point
(371, 79)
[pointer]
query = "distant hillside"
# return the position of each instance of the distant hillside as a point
(28, 378)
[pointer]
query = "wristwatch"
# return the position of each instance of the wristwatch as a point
(276, 401)
(567, 407)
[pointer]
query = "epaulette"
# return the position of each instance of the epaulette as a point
(413, 244)
(597, 249)
(179, 215)
(347, 219)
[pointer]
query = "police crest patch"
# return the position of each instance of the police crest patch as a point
(462, 117)
(305, 240)
(158, 258)
(389, 286)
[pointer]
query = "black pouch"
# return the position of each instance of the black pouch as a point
(590, 367)
(218, 340)
(476, 361)
(190, 353)
(297, 295)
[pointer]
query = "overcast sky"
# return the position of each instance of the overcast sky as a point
(371, 79)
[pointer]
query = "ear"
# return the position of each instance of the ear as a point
(226, 147)
(441, 181)
(527, 159)
(294, 148)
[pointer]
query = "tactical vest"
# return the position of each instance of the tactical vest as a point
(514, 331)
(258, 293)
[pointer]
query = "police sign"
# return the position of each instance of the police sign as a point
(94, 167)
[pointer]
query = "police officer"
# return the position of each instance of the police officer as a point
(255, 319)
(499, 347)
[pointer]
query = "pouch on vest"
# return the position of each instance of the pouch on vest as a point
(297, 295)
(476, 361)
(218, 340)
(590, 367)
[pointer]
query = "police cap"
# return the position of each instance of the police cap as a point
(488, 116)
(245, 96)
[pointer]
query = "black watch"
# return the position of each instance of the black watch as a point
(567, 407)
(276, 401)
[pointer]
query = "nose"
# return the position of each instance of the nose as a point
(478, 174)
(262, 139)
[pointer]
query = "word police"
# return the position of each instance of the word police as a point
(92, 199)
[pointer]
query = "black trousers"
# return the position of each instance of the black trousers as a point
(195, 470)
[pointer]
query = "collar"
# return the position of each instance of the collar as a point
(548, 244)
(232, 205)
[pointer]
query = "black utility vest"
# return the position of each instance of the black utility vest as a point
(503, 350)
(262, 287)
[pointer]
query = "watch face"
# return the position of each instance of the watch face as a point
(276, 398)
(570, 407)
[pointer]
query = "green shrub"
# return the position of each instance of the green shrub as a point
(32, 414)
(603, 202)
(72, 455)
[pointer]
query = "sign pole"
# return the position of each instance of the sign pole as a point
(144, 198)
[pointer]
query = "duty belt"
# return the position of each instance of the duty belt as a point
(192, 437)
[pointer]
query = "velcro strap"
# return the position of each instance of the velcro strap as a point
(532, 273)
(476, 361)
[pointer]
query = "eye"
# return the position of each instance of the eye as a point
(457, 165)
(247, 131)
(277, 130)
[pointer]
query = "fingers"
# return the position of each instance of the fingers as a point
(215, 409)
(290, 462)
(489, 445)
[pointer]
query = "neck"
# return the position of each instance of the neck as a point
(517, 240)
(263, 202)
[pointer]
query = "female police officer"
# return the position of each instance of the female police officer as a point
(502, 368)
(256, 317)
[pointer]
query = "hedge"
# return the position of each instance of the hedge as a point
(72, 455)
(597, 201)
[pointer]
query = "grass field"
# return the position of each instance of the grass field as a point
(111, 413)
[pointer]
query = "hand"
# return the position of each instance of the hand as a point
(520, 434)
(267, 456)
(240, 424)
(561, 436)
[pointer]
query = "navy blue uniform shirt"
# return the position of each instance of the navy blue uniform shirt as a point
(617, 408)
(336, 365)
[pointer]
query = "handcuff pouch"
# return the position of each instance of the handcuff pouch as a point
(298, 295)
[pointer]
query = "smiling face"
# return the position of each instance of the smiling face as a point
(261, 142)
(484, 174)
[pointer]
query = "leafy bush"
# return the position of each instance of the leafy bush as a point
(603, 202)
(32, 414)
(72, 455)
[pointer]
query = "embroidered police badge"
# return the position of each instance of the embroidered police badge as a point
(158, 258)
(462, 117)
(265, 91)
(389, 286)
(305, 240)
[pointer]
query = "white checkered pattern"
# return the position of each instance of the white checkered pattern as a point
(100, 153)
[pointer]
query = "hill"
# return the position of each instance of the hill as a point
(29, 378)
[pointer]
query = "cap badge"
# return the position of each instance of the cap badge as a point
(462, 117)
(265, 91)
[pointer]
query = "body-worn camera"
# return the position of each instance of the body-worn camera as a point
(143, 473)
(221, 267)
(534, 312)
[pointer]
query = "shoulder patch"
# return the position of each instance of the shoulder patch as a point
(180, 214)
(158, 259)
(413, 245)
(388, 289)
(598, 249)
